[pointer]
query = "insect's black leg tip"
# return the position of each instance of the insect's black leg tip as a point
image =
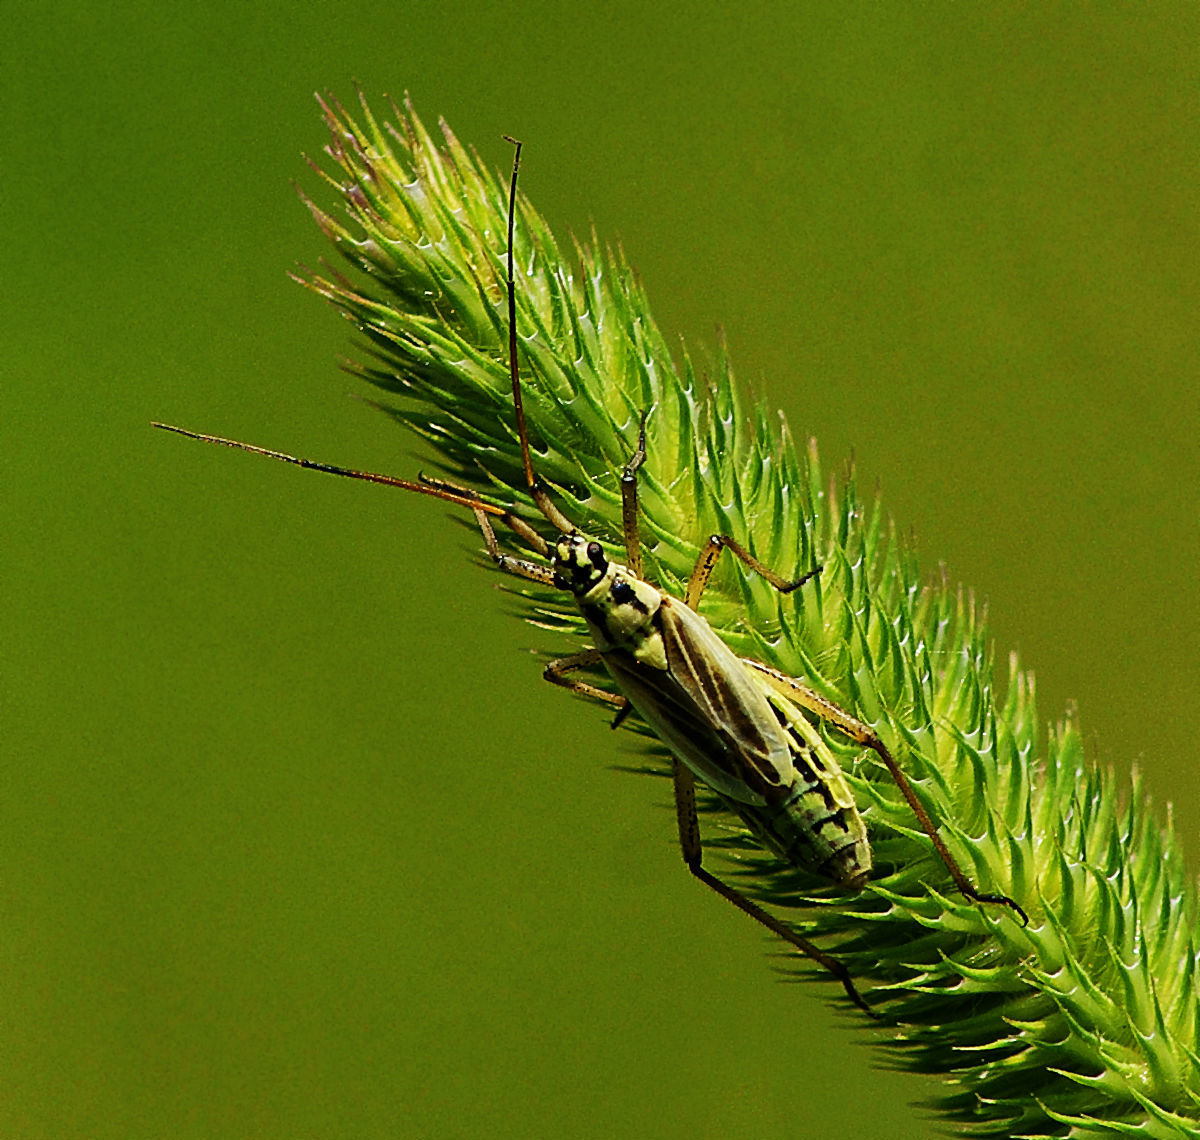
(843, 975)
(788, 587)
(862, 1004)
(629, 474)
(1004, 900)
(860, 1001)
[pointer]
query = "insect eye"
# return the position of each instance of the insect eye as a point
(595, 553)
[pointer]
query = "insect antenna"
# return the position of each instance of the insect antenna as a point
(537, 490)
(436, 488)
(433, 488)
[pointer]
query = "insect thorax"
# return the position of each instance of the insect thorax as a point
(619, 607)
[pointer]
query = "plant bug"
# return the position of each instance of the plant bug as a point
(738, 725)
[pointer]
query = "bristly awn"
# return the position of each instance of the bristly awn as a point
(736, 724)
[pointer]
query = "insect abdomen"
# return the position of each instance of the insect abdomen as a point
(810, 830)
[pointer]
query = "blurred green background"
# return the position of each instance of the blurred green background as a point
(295, 841)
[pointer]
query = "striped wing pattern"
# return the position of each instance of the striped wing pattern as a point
(709, 710)
(751, 746)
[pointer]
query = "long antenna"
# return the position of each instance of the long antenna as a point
(434, 490)
(513, 366)
(537, 492)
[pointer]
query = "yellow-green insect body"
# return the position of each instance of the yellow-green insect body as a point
(750, 745)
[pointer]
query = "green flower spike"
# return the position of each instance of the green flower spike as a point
(1082, 1024)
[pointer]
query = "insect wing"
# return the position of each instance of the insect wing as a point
(821, 828)
(706, 750)
(726, 693)
(709, 710)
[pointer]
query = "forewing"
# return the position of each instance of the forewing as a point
(716, 690)
(671, 713)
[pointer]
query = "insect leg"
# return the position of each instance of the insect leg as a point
(519, 567)
(689, 841)
(708, 560)
(863, 734)
(556, 673)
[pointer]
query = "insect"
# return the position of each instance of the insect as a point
(738, 725)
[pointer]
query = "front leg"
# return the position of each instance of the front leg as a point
(556, 673)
